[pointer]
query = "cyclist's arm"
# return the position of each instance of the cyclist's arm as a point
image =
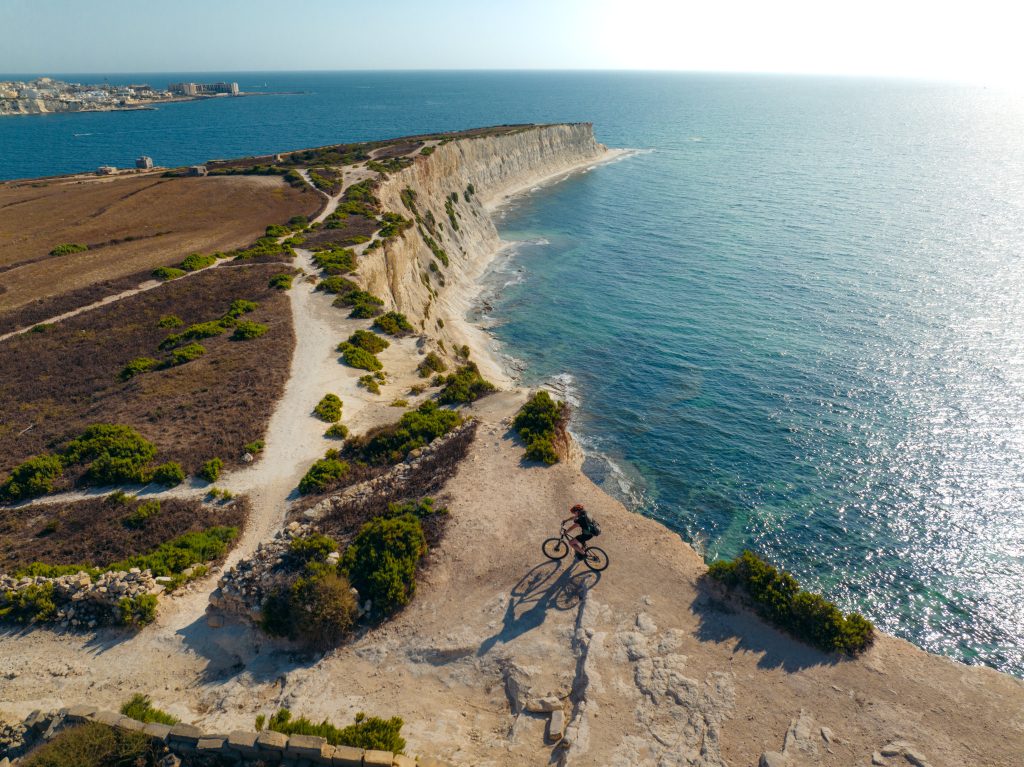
(572, 526)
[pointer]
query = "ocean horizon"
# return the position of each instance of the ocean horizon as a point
(790, 321)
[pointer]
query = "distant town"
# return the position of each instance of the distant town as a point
(45, 95)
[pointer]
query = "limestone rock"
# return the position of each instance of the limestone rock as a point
(771, 759)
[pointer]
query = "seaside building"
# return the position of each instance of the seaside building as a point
(106, 170)
(203, 89)
(144, 162)
(197, 170)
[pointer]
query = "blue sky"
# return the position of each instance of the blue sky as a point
(975, 41)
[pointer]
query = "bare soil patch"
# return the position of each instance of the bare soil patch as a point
(131, 225)
(57, 382)
(94, 531)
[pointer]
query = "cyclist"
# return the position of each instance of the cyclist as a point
(582, 520)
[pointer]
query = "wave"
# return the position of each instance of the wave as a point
(84, 134)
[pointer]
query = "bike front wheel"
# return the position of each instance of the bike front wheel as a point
(555, 548)
(596, 559)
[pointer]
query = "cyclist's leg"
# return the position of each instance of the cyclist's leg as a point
(580, 544)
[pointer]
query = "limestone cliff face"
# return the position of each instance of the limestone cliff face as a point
(406, 273)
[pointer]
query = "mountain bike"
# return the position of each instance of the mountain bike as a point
(556, 548)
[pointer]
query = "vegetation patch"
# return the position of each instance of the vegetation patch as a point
(246, 331)
(389, 165)
(141, 709)
(381, 562)
(337, 431)
(95, 745)
(166, 273)
(329, 408)
(67, 248)
(430, 364)
(777, 597)
(369, 341)
(196, 261)
(464, 385)
(449, 208)
(325, 474)
(170, 321)
(393, 225)
(142, 514)
(370, 383)
(437, 250)
(335, 260)
(540, 421)
(341, 286)
(357, 357)
(370, 733)
(390, 444)
(393, 323)
(281, 281)
(211, 469)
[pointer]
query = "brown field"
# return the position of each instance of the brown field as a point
(92, 532)
(57, 382)
(131, 224)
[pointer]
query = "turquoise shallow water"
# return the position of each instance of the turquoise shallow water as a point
(794, 321)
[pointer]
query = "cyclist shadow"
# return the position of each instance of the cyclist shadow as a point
(545, 587)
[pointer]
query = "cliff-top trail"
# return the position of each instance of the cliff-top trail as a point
(649, 666)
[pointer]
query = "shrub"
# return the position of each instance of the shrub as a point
(337, 431)
(211, 469)
(170, 321)
(32, 478)
(369, 341)
(197, 261)
(369, 383)
(335, 262)
(329, 408)
(42, 327)
(394, 323)
(777, 597)
(323, 609)
(115, 453)
(364, 305)
(399, 403)
(141, 514)
(137, 611)
(421, 509)
(432, 363)
(464, 385)
(178, 554)
(277, 230)
(419, 427)
(312, 547)
(382, 561)
(323, 474)
(137, 366)
(537, 422)
(166, 273)
(371, 733)
(95, 745)
(437, 250)
(141, 709)
(449, 208)
(169, 474)
(31, 604)
(281, 281)
(427, 150)
(255, 447)
(355, 357)
(462, 351)
(246, 331)
(185, 354)
(68, 248)
(239, 307)
(342, 286)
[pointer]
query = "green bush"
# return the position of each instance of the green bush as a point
(246, 331)
(341, 286)
(464, 385)
(364, 305)
(141, 709)
(394, 323)
(391, 444)
(139, 517)
(437, 250)
(197, 261)
(335, 261)
(277, 230)
(337, 431)
(166, 273)
(427, 150)
(312, 547)
(281, 281)
(778, 598)
(329, 408)
(137, 611)
(369, 383)
(194, 332)
(95, 745)
(381, 562)
(137, 366)
(323, 474)
(170, 321)
(114, 453)
(369, 341)
(449, 208)
(355, 357)
(169, 474)
(370, 733)
(185, 354)
(32, 478)
(323, 609)
(421, 509)
(255, 447)
(175, 556)
(68, 248)
(432, 363)
(211, 469)
(538, 421)
(32, 604)
(239, 307)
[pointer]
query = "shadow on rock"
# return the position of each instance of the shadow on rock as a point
(723, 619)
(544, 587)
(238, 648)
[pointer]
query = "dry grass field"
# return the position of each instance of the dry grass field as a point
(131, 225)
(97, 531)
(58, 381)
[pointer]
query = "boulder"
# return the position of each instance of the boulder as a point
(556, 725)
(771, 759)
(543, 705)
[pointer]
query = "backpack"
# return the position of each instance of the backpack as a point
(595, 529)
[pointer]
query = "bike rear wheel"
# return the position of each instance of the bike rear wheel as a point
(555, 548)
(596, 559)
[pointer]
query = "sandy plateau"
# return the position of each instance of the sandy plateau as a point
(649, 665)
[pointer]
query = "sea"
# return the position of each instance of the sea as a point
(791, 320)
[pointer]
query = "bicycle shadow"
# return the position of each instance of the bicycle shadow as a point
(539, 591)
